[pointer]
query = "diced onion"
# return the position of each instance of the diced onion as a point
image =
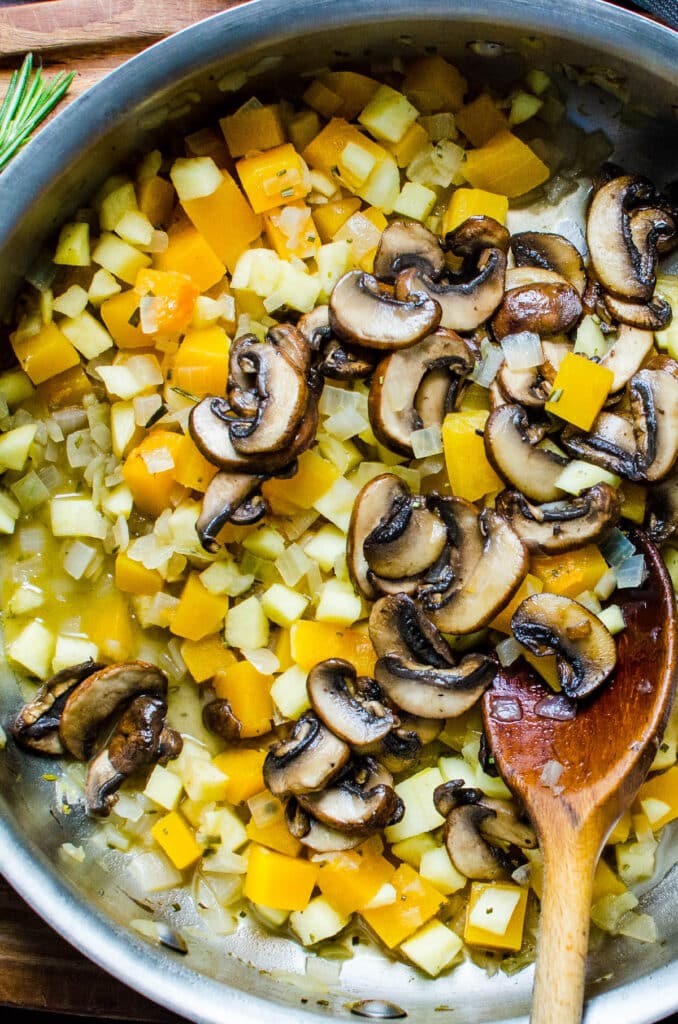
(505, 709)
(550, 776)
(78, 558)
(158, 460)
(632, 572)
(265, 809)
(508, 651)
(79, 449)
(293, 564)
(558, 707)
(262, 659)
(522, 351)
(334, 400)
(428, 441)
(345, 423)
(487, 368)
(616, 548)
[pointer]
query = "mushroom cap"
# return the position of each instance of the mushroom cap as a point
(662, 511)
(510, 447)
(562, 525)
(585, 651)
(307, 760)
(653, 315)
(654, 405)
(468, 850)
(610, 443)
(218, 717)
(343, 363)
(352, 708)
(465, 305)
(474, 234)
(545, 309)
(98, 696)
(627, 354)
(36, 726)
(314, 327)
(551, 252)
(293, 344)
(359, 803)
(503, 824)
(404, 244)
(362, 313)
(226, 494)
(314, 834)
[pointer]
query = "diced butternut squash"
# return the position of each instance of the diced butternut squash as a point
(291, 231)
(45, 354)
(321, 98)
(226, 222)
(134, 578)
(253, 128)
(570, 573)
(107, 622)
(192, 469)
(480, 120)
(505, 165)
(433, 84)
(154, 489)
(189, 253)
(278, 881)
(351, 879)
(530, 585)
(273, 178)
(331, 216)
(156, 198)
(621, 831)
(328, 152)
(173, 294)
(274, 836)
(175, 837)
(412, 142)
(606, 883)
(313, 478)
(354, 90)
(244, 768)
(120, 313)
(199, 613)
(471, 475)
(311, 642)
(662, 790)
(249, 694)
(501, 909)
(204, 658)
(201, 364)
(473, 202)
(67, 388)
(416, 902)
(579, 390)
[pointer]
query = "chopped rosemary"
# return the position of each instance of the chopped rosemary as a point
(28, 101)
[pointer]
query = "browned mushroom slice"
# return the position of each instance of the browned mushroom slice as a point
(228, 496)
(465, 305)
(475, 234)
(307, 760)
(339, 363)
(511, 447)
(283, 396)
(36, 727)
(140, 739)
(552, 252)
(503, 824)
(488, 587)
(362, 801)
(562, 525)
(623, 268)
(468, 849)
(545, 309)
(531, 388)
(315, 327)
(610, 443)
(218, 717)
(405, 395)
(362, 313)
(406, 541)
(585, 651)
(352, 708)
(398, 628)
(96, 698)
(312, 833)
(654, 315)
(662, 511)
(404, 244)
(627, 354)
(293, 345)
(523, 277)
(654, 405)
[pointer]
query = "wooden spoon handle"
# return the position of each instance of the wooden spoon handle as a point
(569, 865)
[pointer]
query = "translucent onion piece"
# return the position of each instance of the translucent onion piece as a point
(616, 548)
(631, 572)
(428, 441)
(522, 351)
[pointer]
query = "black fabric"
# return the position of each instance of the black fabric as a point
(665, 10)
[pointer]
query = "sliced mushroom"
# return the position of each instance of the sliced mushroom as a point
(504, 824)
(468, 850)
(218, 717)
(511, 446)
(407, 540)
(98, 696)
(307, 760)
(282, 399)
(585, 651)
(359, 803)
(312, 833)
(465, 305)
(339, 363)
(140, 739)
(654, 315)
(662, 511)
(654, 405)
(545, 309)
(625, 269)
(627, 354)
(404, 244)
(315, 327)
(398, 628)
(400, 750)
(475, 234)
(293, 345)
(36, 727)
(352, 708)
(562, 525)
(417, 387)
(362, 313)
(228, 495)
(523, 277)
(552, 252)
(477, 597)
(531, 388)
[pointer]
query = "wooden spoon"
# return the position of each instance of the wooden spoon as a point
(605, 752)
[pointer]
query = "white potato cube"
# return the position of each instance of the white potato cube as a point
(289, 693)
(318, 921)
(73, 650)
(33, 648)
(420, 813)
(433, 948)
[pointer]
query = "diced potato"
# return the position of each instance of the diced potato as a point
(289, 693)
(338, 603)
(420, 815)
(283, 605)
(73, 246)
(163, 788)
(15, 445)
(318, 921)
(72, 650)
(247, 625)
(33, 648)
(76, 517)
(195, 177)
(433, 948)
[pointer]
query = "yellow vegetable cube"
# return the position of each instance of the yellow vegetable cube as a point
(473, 202)
(244, 769)
(495, 916)
(274, 177)
(134, 578)
(416, 902)
(471, 475)
(278, 881)
(662, 788)
(253, 128)
(45, 354)
(505, 165)
(175, 837)
(204, 658)
(199, 612)
(579, 390)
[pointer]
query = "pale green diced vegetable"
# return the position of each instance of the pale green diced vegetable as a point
(412, 850)
(420, 813)
(289, 693)
(358, 161)
(323, 184)
(207, 311)
(102, 286)
(116, 204)
(415, 201)
(257, 270)
(76, 517)
(668, 748)
(271, 915)
(382, 188)
(635, 860)
(150, 165)
(433, 948)
(523, 107)
(667, 340)
(9, 513)
(388, 114)
(73, 246)
(25, 599)
(119, 257)
(78, 558)
(118, 502)
(224, 577)
(325, 546)
(30, 491)
(121, 382)
(318, 921)
(247, 625)
(33, 648)
(332, 260)
(609, 910)
(338, 603)
(163, 788)
(154, 872)
(283, 605)
(491, 785)
(437, 868)
(590, 340)
(337, 503)
(15, 445)
(72, 650)
(195, 177)
(298, 289)
(605, 585)
(123, 427)
(202, 780)
(457, 768)
(384, 897)
(15, 386)
(494, 909)
(613, 618)
(345, 455)
(135, 227)
(578, 476)
(265, 543)
(86, 334)
(641, 927)
(226, 824)
(72, 302)
(538, 81)
(654, 809)
(590, 600)
(46, 305)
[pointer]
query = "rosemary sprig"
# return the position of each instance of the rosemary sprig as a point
(28, 101)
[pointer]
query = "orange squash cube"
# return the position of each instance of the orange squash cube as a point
(416, 903)
(174, 298)
(201, 364)
(253, 128)
(199, 613)
(480, 120)
(67, 388)
(530, 585)
(274, 177)
(120, 313)
(192, 469)
(511, 937)
(311, 642)
(156, 198)
(274, 836)
(331, 216)
(134, 578)
(204, 658)
(470, 473)
(189, 253)
(579, 390)
(351, 879)
(175, 837)
(354, 90)
(107, 622)
(249, 694)
(153, 491)
(570, 573)
(473, 202)
(227, 224)
(278, 881)
(324, 151)
(301, 240)
(661, 789)
(505, 164)
(244, 768)
(313, 478)
(45, 354)
(433, 84)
